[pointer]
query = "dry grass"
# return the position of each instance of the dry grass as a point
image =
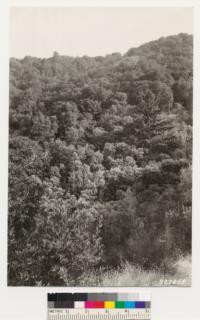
(135, 276)
(132, 276)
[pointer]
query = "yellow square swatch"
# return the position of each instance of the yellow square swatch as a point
(109, 304)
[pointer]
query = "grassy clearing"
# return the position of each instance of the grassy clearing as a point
(132, 276)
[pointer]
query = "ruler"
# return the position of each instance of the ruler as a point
(99, 314)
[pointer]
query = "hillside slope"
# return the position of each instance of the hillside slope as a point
(100, 155)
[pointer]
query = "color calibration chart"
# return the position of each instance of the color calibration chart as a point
(99, 306)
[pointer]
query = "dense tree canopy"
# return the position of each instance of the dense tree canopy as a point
(99, 161)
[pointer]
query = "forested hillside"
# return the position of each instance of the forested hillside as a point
(100, 155)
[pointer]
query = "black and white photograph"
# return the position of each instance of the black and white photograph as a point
(100, 146)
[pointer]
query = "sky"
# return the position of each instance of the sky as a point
(92, 31)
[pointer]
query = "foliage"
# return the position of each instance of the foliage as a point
(99, 162)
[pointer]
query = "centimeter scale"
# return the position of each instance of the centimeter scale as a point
(99, 306)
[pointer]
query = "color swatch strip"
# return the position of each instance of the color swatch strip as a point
(99, 301)
(99, 304)
(96, 297)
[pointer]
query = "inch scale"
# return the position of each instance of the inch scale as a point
(99, 314)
